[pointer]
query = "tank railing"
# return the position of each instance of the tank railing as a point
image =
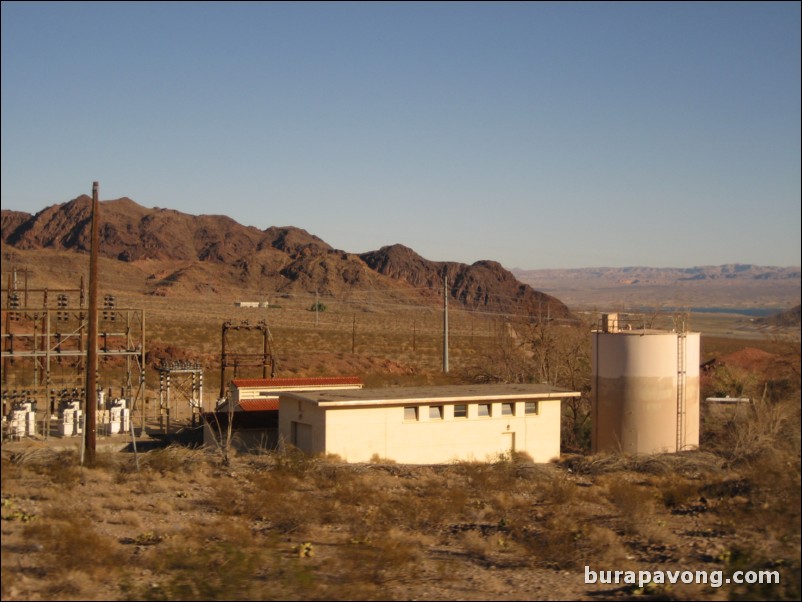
(622, 322)
(638, 321)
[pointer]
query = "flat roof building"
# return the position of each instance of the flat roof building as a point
(425, 425)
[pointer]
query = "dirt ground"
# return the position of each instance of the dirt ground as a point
(186, 525)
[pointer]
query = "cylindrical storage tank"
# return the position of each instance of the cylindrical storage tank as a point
(645, 391)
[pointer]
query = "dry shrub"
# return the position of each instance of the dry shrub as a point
(558, 490)
(377, 459)
(130, 518)
(175, 459)
(758, 434)
(62, 468)
(475, 544)
(392, 556)
(436, 504)
(558, 544)
(219, 561)
(10, 472)
(604, 548)
(567, 540)
(749, 558)
(630, 498)
(675, 490)
(634, 502)
(72, 584)
(484, 478)
(75, 545)
(289, 461)
(269, 498)
(690, 463)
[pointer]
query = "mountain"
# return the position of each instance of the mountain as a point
(790, 317)
(186, 254)
(482, 284)
(730, 285)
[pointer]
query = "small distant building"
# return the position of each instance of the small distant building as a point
(727, 406)
(263, 304)
(425, 425)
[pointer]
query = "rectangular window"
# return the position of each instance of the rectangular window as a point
(484, 409)
(411, 413)
(460, 411)
(435, 412)
(508, 409)
(532, 407)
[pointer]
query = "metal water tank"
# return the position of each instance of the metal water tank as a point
(645, 389)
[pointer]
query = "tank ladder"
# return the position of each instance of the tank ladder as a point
(681, 369)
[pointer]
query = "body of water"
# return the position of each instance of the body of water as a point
(752, 312)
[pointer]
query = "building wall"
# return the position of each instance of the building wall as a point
(635, 392)
(357, 434)
(302, 423)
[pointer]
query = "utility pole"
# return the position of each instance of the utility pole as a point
(91, 352)
(445, 324)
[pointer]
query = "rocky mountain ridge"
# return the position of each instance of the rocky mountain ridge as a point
(187, 253)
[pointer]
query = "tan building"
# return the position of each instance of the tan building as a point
(425, 425)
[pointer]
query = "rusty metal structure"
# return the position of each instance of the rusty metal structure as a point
(243, 359)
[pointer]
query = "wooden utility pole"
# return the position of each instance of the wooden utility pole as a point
(445, 324)
(90, 434)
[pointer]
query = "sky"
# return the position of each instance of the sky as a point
(540, 135)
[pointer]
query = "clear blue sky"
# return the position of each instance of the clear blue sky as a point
(540, 135)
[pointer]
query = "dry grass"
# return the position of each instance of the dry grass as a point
(284, 525)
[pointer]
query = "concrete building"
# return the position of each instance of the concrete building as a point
(645, 389)
(425, 425)
(253, 412)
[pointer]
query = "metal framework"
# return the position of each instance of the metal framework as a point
(187, 378)
(39, 343)
(238, 360)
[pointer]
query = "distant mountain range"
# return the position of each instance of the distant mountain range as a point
(645, 275)
(730, 285)
(184, 254)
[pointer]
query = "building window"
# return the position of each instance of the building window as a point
(508, 409)
(460, 411)
(435, 412)
(532, 407)
(411, 413)
(484, 409)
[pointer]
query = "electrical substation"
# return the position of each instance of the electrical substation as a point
(44, 351)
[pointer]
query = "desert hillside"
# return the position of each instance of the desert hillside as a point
(181, 254)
